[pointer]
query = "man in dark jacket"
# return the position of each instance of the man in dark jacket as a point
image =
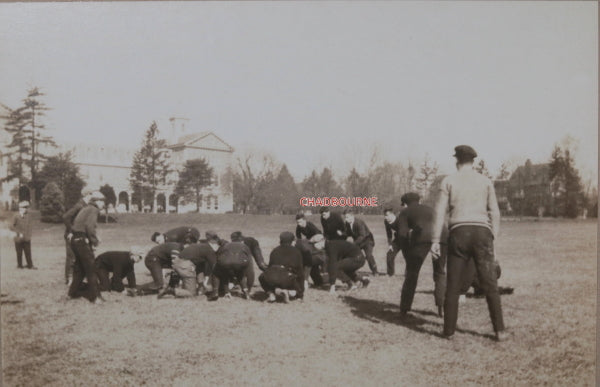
(343, 260)
(391, 229)
(306, 228)
(333, 225)
(158, 258)
(415, 229)
(83, 242)
(184, 235)
(121, 264)
(362, 236)
(285, 270)
(234, 264)
(68, 218)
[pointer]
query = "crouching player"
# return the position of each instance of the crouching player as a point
(285, 270)
(343, 260)
(313, 261)
(120, 264)
(234, 264)
(157, 259)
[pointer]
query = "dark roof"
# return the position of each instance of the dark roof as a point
(532, 174)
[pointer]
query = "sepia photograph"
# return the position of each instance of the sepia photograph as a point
(299, 193)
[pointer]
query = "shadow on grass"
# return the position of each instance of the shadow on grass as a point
(377, 311)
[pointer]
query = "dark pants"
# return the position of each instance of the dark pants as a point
(69, 261)
(391, 258)
(414, 257)
(23, 246)
(347, 268)
(471, 243)
(367, 248)
(83, 267)
(281, 277)
(439, 275)
(315, 267)
(153, 264)
(242, 273)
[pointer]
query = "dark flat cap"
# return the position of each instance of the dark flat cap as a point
(410, 197)
(237, 236)
(464, 152)
(323, 209)
(286, 237)
(299, 216)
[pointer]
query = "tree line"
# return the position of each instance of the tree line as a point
(258, 182)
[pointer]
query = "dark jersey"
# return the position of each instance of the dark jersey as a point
(119, 263)
(308, 231)
(163, 252)
(287, 256)
(336, 251)
(234, 253)
(332, 225)
(182, 235)
(391, 230)
(416, 225)
(201, 255)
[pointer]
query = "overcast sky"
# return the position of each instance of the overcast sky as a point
(316, 83)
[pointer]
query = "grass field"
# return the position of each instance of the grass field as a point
(355, 339)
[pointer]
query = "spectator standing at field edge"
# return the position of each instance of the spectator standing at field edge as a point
(21, 225)
(474, 220)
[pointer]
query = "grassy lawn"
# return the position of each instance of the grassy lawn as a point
(354, 340)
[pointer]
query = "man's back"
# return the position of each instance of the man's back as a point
(287, 256)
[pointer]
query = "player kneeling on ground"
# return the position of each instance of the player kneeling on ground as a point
(120, 263)
(157, 259)
(343, 260)
(285, 270)
(186, 271)
(313, 260)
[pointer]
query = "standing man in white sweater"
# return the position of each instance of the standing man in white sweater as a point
(474, 220)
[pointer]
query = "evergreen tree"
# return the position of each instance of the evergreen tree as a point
(310, 185)
(356, 185)
(28, 141)
(286, 194)
(327, 184)
(150, 168)
(566, 186)
(196, 174)
(65, 174)
(51, 203)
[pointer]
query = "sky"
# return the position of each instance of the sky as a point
(316, 83)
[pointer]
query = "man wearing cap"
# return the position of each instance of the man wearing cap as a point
(305, 228)
(285, 270)
(158, 258)
(83, 242)
(362, 236)
(474, 220)
(391, 229)
(22, 226)
(333, 224)
(343, 260)
(415, 229)
(68, 219)
(184, 235)
(121, 264)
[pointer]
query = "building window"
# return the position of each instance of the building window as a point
(216, 180)
(208, 202)
(216, 202)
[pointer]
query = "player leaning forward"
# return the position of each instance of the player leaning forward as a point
(474, 220)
